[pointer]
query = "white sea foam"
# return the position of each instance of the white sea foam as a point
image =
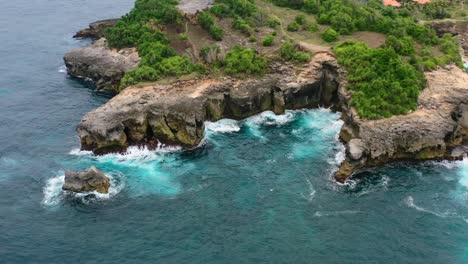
(79, 152)
(337, 213)
(463, 172)
(222, 126)
(132, 153)
(270, 119)
(409, 201)
(311, 191)
(53, 193)
(62, 69)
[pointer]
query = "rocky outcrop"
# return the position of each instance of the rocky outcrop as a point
(103, 66)
(433, 131)
(89, 180)
(96, 29)
(458, 28)
(175, 114)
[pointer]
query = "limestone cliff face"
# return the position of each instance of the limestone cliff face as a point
(433, 131)
(175, 114)
(101, 65)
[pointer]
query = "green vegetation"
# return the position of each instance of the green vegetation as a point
(273, 22)
(385, 81)
(140, 28)
(268, 41)
(294, 26)
(141, 21)
(289, 52)
(244, 61)
(329, 35)
(382, 83)
(207, 22)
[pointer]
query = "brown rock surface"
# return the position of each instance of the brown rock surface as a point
(88, 180)
(430, 132)
(175, 114)
(98, 63)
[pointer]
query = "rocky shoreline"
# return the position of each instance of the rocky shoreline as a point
(175, 113)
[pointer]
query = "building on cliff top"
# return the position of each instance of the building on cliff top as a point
(395, 3)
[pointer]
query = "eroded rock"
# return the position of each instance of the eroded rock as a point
(431, 132)
(96, 29)
(175, 114)
(104, 66)
(89, 180)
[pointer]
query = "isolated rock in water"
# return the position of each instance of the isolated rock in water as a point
(88, 180)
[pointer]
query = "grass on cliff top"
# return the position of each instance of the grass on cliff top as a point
(385, 72)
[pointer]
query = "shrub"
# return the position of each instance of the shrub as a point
(216, 32)
(177, 66)
(273, 22)
(403, 46)
(220, 10)
(241, 25)
(300, 19)
(383, 84)
(294, 26)
(330, 35)
(242, 60)
(152, 53)
(252, 39)
(143, 73)
(207, 21)
(312, 27)
(289, 52)
(268, 41)
(183, 36)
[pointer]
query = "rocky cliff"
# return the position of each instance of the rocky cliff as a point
(175, 114)
(436, 130)
(103, 66)
(96, 29)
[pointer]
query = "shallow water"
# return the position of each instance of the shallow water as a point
(256, 191)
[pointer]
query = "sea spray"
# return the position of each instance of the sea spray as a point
(54, 195)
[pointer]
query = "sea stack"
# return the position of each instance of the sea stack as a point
(89, 180)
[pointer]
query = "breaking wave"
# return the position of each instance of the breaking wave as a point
(62, 69)
(222, 126)
(54, 195)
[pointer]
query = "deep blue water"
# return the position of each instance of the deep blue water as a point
(256, 191)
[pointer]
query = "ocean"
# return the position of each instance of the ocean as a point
(258, 190)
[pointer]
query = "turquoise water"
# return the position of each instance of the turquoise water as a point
(255, 191)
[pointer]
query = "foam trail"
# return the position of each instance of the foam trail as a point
(409, 201)
(336, 213)
(310, 196)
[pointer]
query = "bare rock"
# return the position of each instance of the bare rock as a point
(88, 180)
(355, 149)
(103, 66)
(175, 113)
(96, 29)
(431, 132)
